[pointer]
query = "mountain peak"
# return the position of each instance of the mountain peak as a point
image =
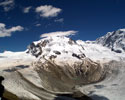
(114, 40)
(60, 48)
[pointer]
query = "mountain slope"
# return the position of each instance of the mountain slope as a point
(114, 40)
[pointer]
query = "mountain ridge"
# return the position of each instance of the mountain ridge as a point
(114, 40)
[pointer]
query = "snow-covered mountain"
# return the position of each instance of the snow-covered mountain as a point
(56, 66)
(56, 47)
(63, 51)
(114, 40)
(63, 48)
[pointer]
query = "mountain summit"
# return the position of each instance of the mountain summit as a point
(114, 40)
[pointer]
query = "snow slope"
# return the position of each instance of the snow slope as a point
(7, 57)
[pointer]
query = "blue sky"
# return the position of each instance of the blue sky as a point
(23, 21)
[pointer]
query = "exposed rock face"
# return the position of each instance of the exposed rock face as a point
(36, 49)
(78, 56)
(57, 52)
(114, 40)
(64, 78)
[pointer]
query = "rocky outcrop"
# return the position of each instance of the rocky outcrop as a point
(64, 78)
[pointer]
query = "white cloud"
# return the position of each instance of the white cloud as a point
(7, 32)
(37, 25)
(59, 33)
(2, 25)
(27, 9)
(48, 11)
(7, 5)
(59, 20)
